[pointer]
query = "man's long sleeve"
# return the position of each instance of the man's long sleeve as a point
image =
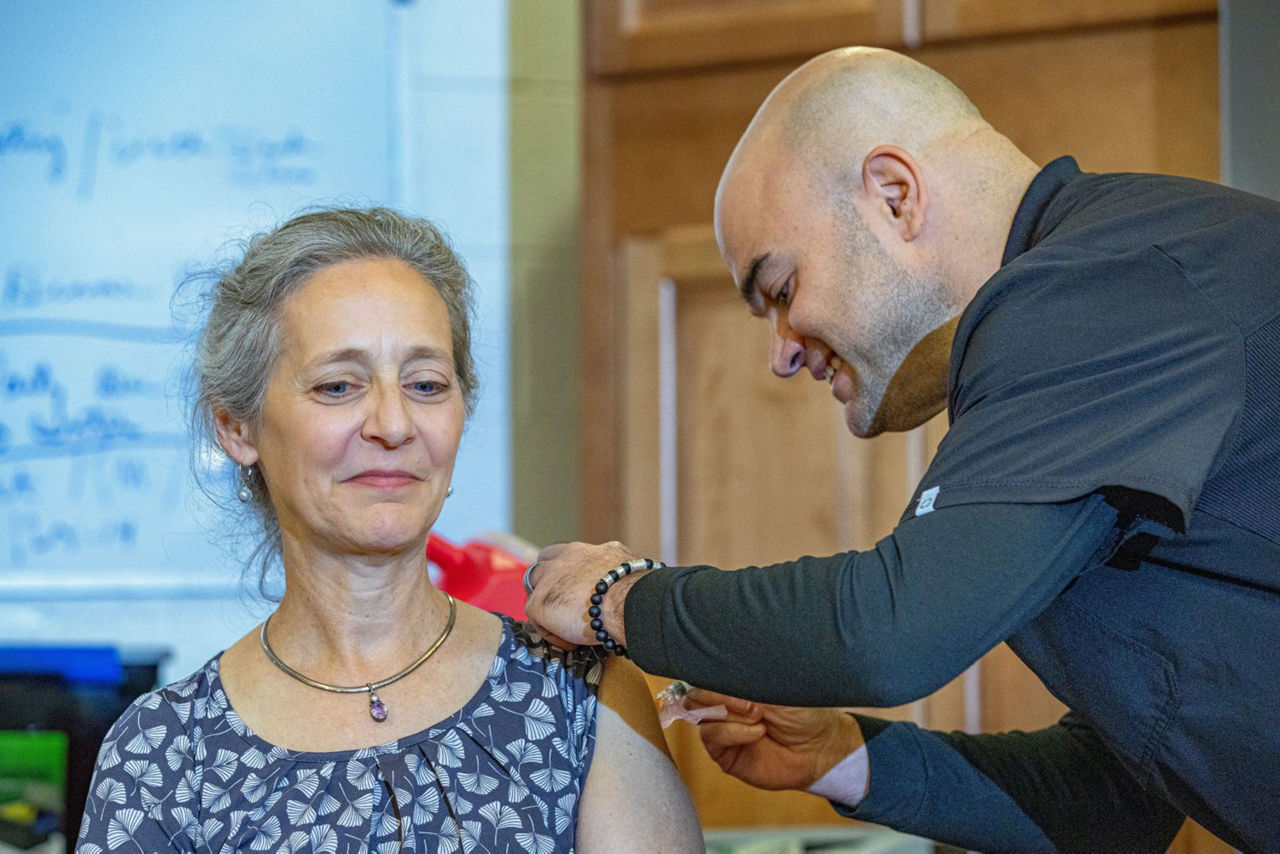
(1056, 789)
(874, 628)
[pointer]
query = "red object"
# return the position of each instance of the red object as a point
(480, 573)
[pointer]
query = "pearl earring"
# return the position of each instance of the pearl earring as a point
(245, 492)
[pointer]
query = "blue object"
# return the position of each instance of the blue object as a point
(83, 665)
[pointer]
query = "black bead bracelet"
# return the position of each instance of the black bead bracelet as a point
(594, 611)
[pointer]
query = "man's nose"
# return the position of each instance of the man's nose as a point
(786, 350)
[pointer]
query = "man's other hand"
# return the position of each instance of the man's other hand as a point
(775, 747)
(564, 579)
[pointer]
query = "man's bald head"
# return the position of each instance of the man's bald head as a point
(833, 110)
(858, 97)
(865, 204)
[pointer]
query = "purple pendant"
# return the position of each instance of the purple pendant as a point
(377, 708)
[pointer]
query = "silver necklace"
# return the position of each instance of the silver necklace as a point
(377, 708)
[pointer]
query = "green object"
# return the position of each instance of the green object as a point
(33, 768)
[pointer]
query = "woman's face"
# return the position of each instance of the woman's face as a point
(363, 413)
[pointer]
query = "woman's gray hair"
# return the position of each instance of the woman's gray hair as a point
(237, 347)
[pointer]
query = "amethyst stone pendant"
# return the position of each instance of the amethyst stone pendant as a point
(377, 708)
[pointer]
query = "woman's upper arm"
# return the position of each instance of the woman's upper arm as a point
(633, 799)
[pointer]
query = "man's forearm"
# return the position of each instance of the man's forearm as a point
(876, 628)
(1056, 789)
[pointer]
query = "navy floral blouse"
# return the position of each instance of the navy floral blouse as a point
(179, 771)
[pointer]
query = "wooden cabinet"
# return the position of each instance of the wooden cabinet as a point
(630, 36)
(753, 469)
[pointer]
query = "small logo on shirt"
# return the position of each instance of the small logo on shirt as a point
(925, 504)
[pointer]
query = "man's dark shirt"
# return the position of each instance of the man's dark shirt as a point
(1107, 499)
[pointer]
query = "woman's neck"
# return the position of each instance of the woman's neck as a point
(347, 619)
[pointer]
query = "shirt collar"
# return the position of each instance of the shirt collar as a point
(1051, 179)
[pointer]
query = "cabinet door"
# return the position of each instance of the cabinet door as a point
(942, 20)
(648, 35)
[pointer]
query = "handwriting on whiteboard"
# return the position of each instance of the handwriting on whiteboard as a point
(79, 157)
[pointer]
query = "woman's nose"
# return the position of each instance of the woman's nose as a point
(388, 421)
(786, 350)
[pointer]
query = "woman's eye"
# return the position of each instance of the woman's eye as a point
(784, 293)
(427, 387)
(337, 388)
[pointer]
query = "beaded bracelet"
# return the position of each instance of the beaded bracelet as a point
(622, 570)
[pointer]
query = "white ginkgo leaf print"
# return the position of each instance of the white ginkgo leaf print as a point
(296, 843)
(510, 692)
(308, 783)
(254, 758)
(538, 720)
(468, 832)
(517, 791)
(182, 710)
(149, 701)
(110, 791)
(523, 751)
(425, 805)
(267, 835)
(461, 806)
(255, 788)
(88, 848)
(324, 840)
(360, 775)
(449, 749)
(328, 804)
(357, 812)
(211, 828)
(149, 799)
(562, 747)
(498, 667)
(176, 751)
(551, 779)
(299, 812)
(142, 771)
(225, 764)
(388, 823)
(536, 843)
(483, 710)
(109, 757)
(477, 784)
(185, 819)
(500, 815)
(122, 826)
(214, 798)
(188, 786)
(564, 811)
(147, 739)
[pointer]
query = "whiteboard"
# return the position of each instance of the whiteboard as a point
(135, 141)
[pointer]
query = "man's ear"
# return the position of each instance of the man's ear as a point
(893, 179)
(233, 436)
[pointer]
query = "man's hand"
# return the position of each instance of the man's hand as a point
(775, 747)
(563, 581)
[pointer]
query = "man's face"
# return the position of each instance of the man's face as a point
(840, 304)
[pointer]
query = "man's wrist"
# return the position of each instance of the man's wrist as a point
(847, 781)
(614, 605)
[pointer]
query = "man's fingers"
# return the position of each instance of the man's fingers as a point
(733, 705)
(722, 735)
(551, 551)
